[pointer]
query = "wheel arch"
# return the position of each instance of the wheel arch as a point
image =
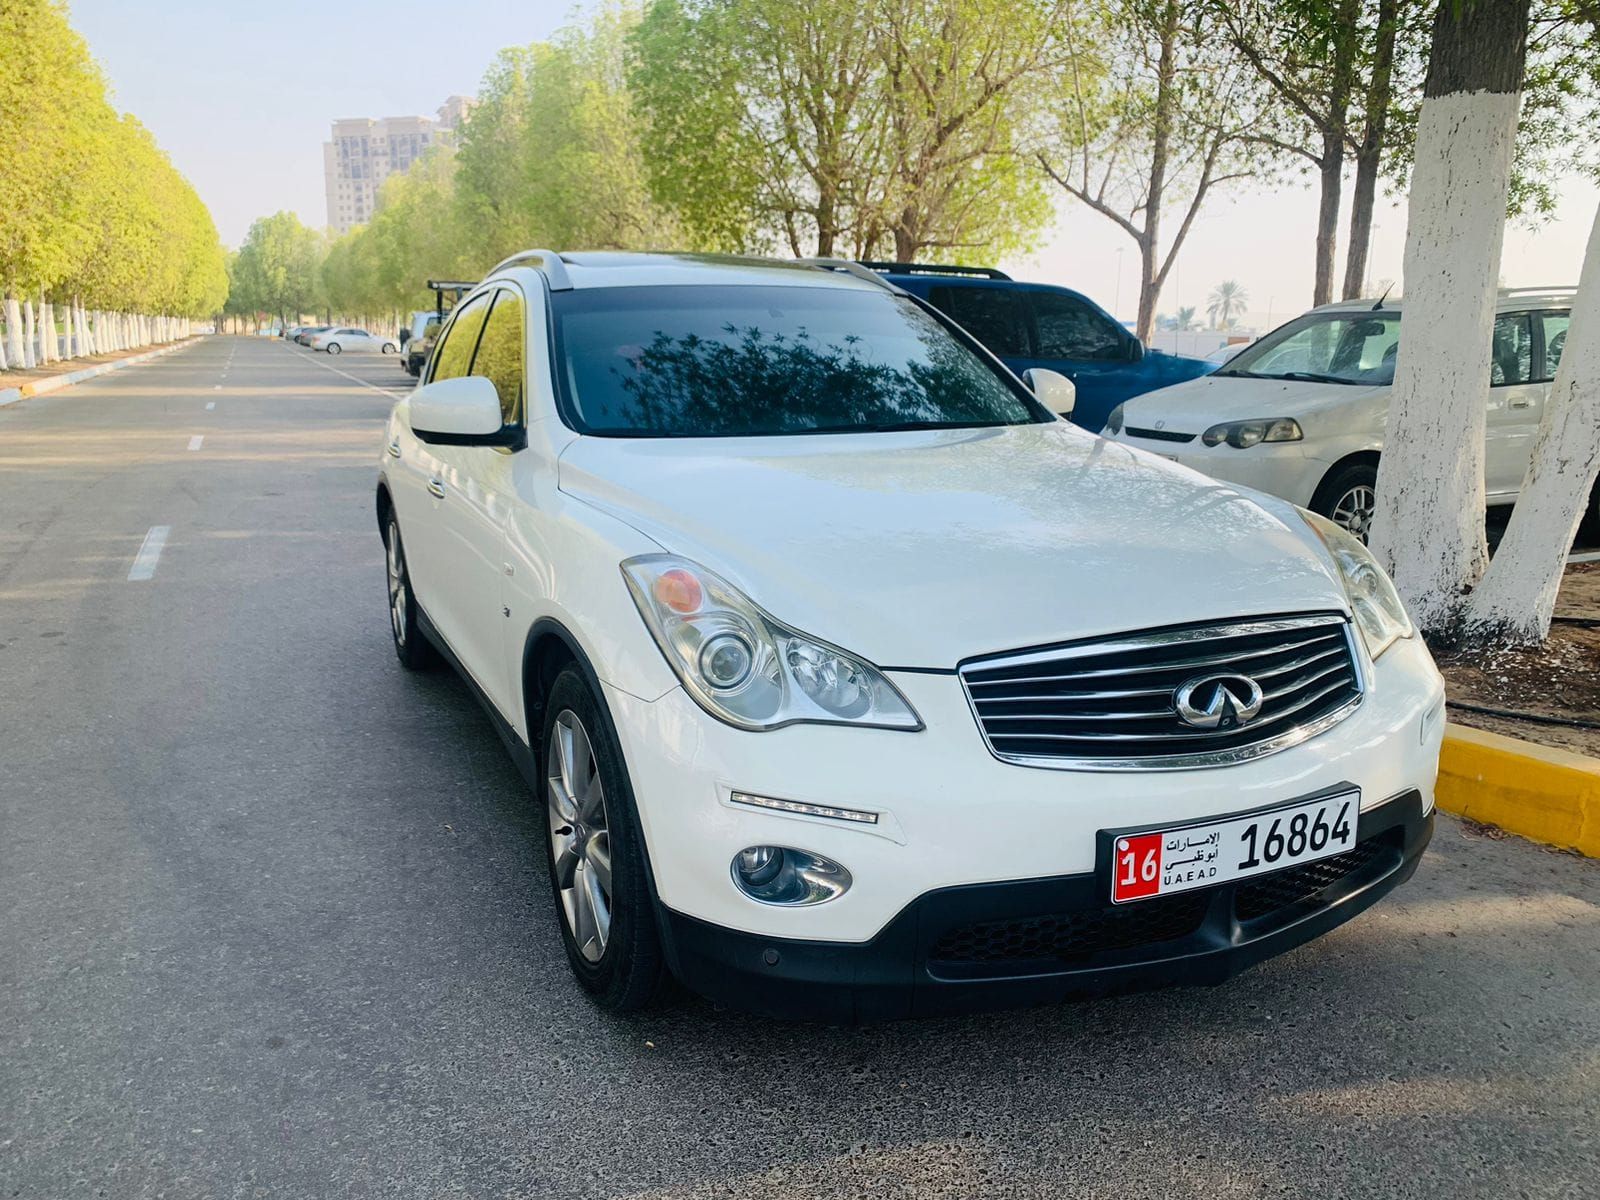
(1368, 457)
(383, 502)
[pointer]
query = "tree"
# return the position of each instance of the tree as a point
(1184, 320)
(1428, 528)
(1227, 301)
(278, 267)
(1155, 107)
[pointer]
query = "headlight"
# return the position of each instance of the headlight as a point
(748, 669)
(1380, 615)
(1114, 421)
(1248, 433)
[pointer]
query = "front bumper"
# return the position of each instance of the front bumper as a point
(1037, 941)
(1284, 469)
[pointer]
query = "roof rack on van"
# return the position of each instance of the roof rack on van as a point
(859, 270)
(547, 262)
(1538, 291)
(905, 268)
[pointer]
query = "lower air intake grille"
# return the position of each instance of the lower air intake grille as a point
(1066, 937)
(1283, 889)
(1113, 702)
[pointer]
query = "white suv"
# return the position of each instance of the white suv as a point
(1301, 413)
(855, 683)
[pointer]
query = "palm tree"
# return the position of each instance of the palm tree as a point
(1184, 321)
(1227, 301)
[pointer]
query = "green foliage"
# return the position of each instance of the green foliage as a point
(278, 269)
(91, 206)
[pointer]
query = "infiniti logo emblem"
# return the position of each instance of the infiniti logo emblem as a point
(1218, 701)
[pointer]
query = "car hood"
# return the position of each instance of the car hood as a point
(1196, 405)
(926, 548)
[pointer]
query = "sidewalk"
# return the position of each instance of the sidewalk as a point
(19, 385)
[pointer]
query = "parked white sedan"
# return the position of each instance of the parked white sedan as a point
(855, 683)
(353, 341)
(1301, 412)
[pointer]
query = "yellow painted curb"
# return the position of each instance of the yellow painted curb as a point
(1539, 792)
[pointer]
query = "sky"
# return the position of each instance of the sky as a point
(242, 97)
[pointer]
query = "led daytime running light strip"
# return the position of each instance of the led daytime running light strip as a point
(807, 810)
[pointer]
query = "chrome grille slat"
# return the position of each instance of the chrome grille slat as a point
(1065, 708)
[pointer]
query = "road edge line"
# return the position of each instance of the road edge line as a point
(54, 383)
(1537, 792)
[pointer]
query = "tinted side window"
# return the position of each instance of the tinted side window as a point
(453, 358)
(1512, 358)
(993, 316)
(1069, 328)
(499, 357)
(1555, 341)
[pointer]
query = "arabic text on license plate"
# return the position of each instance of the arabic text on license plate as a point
(1160, 862)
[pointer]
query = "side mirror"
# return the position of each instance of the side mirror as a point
(1135, 350)
(458, 412)
(1055, 391)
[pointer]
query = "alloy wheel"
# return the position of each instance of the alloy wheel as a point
(580, 840)
(1354, 510)
(398, 599)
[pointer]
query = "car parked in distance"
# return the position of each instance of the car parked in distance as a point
(1030, 325)
(1301, 412)
(349, 340)
(307, 332)
(852, 682)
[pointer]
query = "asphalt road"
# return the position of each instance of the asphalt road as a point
(274, 921)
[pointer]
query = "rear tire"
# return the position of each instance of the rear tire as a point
(1348, 498)
(594, 850)
(411, 645)
(333, 348)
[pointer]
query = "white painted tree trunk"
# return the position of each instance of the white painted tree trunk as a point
(1428, 528)
(47, 330)
(14, 352)
(1518, 594)
(30, 331)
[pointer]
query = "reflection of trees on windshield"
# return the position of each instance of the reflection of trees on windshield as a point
(760, 382)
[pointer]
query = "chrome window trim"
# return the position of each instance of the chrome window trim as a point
(1119, 643)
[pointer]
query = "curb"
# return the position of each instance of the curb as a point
(52, 383)
(1539, 792)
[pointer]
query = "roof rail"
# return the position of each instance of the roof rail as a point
(548, 262)
(906, 268)
(1560, 287)
(849, 267)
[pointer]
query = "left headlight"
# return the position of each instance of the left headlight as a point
(1379, 614)
(1244, 434)
(747, 668)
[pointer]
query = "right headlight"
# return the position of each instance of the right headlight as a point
(747, 668)
(1380, 616)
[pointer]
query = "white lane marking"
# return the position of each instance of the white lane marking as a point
(210, 404)
(144, 563)
(216, 387)
(355, 379)
(194, 442)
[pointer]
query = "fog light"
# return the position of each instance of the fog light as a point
(781, 875)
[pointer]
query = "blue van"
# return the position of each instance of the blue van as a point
(1037, 325)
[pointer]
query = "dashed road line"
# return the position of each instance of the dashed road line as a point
(144, 563)
(210, 404)
(194, 442)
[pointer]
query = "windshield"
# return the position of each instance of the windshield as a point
(733, 361)
(1347, 347)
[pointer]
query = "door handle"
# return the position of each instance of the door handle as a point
(1520, 402)
(394, 449)
(436, 488)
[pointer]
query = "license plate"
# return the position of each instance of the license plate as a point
(1161, 862)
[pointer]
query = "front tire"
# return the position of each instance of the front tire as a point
(594, 849)
(390, 348)
(333, 348)
(1349, 498)
(411, 645)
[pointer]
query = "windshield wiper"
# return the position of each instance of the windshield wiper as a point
(1296, 376)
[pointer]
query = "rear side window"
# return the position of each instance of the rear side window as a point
(994, 316)
(453, 358)
(1555, 341)
(1512, 360)
(1069, 328)
(499, 357)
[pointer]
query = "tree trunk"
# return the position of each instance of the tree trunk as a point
(1331, 172)
(30, 330)
(1167, 97)
(1518, 594)
(14, 352)
(1428, 529)
(47, 328)
(1369, 158)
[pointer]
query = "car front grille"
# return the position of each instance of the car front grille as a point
(1112, 703)
(1159, 435)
